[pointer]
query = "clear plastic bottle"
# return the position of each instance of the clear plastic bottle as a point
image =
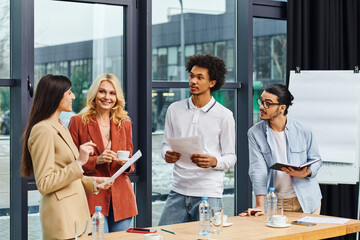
(98, 224)
(271, 201)
(205, 216)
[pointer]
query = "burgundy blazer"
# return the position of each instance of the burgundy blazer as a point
(121, 192)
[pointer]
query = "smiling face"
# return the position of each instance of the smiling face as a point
(105, 98)
(274, 110)
(199, 81)
(66, 101)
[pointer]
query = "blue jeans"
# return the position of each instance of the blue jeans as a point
(111, 226)
(180, 208)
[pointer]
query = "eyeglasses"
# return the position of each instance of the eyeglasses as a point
(266, 104)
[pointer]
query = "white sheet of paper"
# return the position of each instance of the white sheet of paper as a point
(324, 220)
(133, 159)
(187, 145)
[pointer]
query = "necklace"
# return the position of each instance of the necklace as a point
(105, 126)
(101, 124)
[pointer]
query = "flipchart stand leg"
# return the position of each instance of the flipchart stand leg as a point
(358, 211)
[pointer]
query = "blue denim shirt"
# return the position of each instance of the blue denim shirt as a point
(301, 147)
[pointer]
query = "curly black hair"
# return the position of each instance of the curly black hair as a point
(215, 66)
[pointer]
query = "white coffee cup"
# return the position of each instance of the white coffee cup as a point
(279, 220)
(123, 155)
(153, 236)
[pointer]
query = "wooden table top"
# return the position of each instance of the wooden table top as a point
(252, 228)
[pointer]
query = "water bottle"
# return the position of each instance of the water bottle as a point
(205, 216)
(98, 224)
(271, 208)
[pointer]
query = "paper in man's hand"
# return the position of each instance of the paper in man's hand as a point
(133, 159)
(187, 145)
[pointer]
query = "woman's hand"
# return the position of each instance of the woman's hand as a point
(121, 162)
(84, 151)
(106, 157)
(100, 180)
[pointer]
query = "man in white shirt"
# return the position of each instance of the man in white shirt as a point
(199, 175)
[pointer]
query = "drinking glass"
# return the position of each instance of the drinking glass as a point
(217, 220)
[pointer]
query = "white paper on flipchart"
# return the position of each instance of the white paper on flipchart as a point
(187, 145)
(133, 159)
(324, 220)
(329, 102)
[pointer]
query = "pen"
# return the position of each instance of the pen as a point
(167, 231)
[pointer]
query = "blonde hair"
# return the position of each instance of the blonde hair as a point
(117, 114)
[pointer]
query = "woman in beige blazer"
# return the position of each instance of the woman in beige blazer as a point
(52, 157)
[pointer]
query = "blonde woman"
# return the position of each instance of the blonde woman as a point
(105, 122)
(50, 155)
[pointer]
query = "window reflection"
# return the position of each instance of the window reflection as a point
(269, 57)
(4, 163)
(209, 28)
(81, 51)
(84, 44)
(4, 39)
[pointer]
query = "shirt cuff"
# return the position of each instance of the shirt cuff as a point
(95, 189)
(82, 170)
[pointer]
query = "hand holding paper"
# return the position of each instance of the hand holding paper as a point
(187, 145)
(133, 159)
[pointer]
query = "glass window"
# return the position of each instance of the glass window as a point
(81, 51)
(5, 162)
(269, 57)
(4, 39)
(206, 28)
(84, 44)
(34, 223)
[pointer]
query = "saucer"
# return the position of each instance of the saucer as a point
(125, 159)
(279, 226)
(227, 224)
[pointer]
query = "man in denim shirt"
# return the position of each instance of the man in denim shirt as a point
(278, 138)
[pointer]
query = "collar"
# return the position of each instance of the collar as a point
(268, 128)
(205, 108)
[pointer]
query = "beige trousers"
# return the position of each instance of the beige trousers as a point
(293, 205)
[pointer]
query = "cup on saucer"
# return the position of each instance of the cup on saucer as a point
(123, 155)
(279, 220)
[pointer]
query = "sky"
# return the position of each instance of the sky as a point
(58, 22)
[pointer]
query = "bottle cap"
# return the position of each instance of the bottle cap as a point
(98, 208)
(204, 198)
(271, 189)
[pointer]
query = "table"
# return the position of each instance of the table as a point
(252, 228)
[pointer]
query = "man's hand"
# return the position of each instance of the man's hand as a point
(252, 212)
(84, 151)
(171, 156)
(106, 157)
(203, 161)
(302, 173)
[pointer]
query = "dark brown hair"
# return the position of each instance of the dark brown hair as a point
(283, 94)
(49, 92)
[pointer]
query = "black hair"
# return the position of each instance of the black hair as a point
(283, 94)
(215, 66)
(49, 92)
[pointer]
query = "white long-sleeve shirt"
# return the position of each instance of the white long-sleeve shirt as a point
(216, 126)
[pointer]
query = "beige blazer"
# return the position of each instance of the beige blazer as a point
(60, 181)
